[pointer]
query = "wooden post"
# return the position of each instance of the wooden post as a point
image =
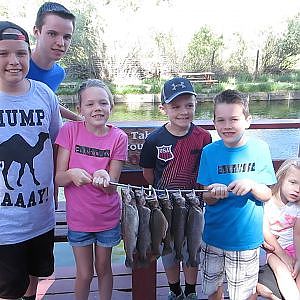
(144, 283)
(256, 64)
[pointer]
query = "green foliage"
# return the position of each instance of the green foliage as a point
(237, 62)
(130, 89)
(202, 53)
(83, 58)
(281, 53)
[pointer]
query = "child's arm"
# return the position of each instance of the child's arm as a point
(243, 186)
(148, 174)
(297, 246)
(101, 178)
(271, 239)
(216, 192)
(67, 114)
(65, 176)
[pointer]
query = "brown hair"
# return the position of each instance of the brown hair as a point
(95, 83)
(281, 173)
(53, 8)
(230, 97)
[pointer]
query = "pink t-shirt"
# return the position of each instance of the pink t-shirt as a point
(88, 209)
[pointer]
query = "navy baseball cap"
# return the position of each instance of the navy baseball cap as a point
(23, 36)
(175, 87)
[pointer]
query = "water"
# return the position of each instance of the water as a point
(137, 111)
(283, 143)
(259, 109)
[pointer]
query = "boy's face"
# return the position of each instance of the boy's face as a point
(290, 187)
(14, 60)
(231, 123)
(54, 38)
(181, 111)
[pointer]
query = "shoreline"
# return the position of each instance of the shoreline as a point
(155, 98)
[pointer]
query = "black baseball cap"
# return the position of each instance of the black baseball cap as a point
(23, 36)
(175, 87)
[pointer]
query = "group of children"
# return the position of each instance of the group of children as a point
(236, 170)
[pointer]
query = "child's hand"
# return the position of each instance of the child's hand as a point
(101, 179)
(241, 187)
(218, 190)
(80, 176)
(296, 269)
(288, 260)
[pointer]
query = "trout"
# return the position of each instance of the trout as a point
(158, 225)
(194, 226)
(144, 234)
(178, 223)
(129, 225)
(166, 208)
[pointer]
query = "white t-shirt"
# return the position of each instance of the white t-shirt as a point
(282, 221)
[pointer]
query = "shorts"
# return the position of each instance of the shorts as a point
(267, 278)
(240, 268)
(291, 251)
(107, 238)
(18, 261)
(170, 260)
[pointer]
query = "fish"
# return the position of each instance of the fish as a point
(144, 234)
(167, 208)
(129, 225)
(158, 225)
(179, 216)
(194, 226)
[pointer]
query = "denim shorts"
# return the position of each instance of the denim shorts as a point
(107, 238)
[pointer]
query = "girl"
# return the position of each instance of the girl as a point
(91, 153)
(282, 229)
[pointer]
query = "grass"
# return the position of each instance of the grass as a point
(243, 83)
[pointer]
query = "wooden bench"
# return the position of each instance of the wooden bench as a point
(70, 85)
(206, 78)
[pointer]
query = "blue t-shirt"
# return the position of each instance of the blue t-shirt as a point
(235, 223)
(52, 77)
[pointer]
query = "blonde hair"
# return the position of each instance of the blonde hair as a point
(95, 83)
(281, 173)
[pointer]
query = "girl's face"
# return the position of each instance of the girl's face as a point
(95, 107)
(290, 187)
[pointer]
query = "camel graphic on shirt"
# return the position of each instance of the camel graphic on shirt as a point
(16, 149)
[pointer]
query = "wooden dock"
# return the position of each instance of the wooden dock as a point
(60, 286)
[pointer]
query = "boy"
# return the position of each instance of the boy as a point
(53, 30)
(170, 158)
(236, 171)
(30, 121)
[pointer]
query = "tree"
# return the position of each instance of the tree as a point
(281, 53)
(202, 53)
(237, 62)
(86, 56)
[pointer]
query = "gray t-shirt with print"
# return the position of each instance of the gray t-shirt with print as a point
(29, 124)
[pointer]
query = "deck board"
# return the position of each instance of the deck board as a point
(60, 286)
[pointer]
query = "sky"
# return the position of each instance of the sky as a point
(182, 18)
